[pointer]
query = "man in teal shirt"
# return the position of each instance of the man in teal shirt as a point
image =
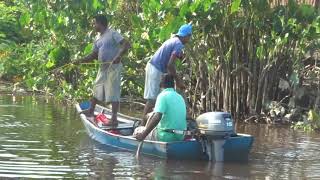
(169, 114)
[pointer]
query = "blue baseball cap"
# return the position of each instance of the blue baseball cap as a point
(185, 30)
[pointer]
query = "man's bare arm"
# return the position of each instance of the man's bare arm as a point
(125, 45)
(171, 66)
(172, 70)
(153, 122)
(89, 58)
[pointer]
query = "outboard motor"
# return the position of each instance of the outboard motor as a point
(215, 128)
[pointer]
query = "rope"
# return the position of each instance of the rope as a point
(72, 63)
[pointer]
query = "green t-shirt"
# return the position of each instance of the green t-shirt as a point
(173, 109)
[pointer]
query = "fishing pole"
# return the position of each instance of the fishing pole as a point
(72, 64)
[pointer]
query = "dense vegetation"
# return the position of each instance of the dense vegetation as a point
(245, 55)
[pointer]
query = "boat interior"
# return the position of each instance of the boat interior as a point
(126, 124)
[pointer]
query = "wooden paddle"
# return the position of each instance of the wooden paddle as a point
(141, 143)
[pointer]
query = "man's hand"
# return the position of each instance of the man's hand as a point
(89, 58)
(140, 136)
(181, 56)
(116, 60)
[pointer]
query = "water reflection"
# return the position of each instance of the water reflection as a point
(122, 164)
(41, 138)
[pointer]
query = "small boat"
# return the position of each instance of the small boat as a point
(235, 148)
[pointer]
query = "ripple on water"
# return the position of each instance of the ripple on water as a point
(47, 141)
(26, 149)
(10, 105)
(7, 155)
(14, 175)
(21, 141)
(32, 169)
(15, 124)
(8, 115)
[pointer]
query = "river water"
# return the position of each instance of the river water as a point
(41, 138)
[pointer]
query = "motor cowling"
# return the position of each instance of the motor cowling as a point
(216, 125)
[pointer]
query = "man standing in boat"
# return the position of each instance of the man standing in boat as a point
(163, 61)
(108, 49)
(169, 115)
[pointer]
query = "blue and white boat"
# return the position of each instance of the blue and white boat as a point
(235, 148)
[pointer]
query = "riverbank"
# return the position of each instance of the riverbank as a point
(7, 87)
(10, 88)
(277, 113)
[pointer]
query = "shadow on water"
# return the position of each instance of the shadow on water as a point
(41, 138)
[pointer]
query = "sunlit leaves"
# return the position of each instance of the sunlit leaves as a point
(165, 32)
(50, 64)
(58, 56)
(136, 21)
(25, 19)
(260, 52)
(194, 5)
(96, 4)
(40, 16)
(314, 118)
(145, 36)
(88, 49)
(235, 6)
(207, 4)
(154, 5)
(184, 9)
(312, 122)
(229, 53)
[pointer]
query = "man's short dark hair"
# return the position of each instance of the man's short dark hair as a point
(101, 19)
(167, 80)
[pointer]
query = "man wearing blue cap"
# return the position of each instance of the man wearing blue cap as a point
(163, 61)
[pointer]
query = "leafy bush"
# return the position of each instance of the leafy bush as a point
(240, 49)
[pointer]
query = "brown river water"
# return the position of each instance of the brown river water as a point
(41, 138)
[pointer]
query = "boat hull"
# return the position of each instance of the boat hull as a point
(234, 148)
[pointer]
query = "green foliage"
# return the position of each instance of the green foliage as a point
(24, 19)
(294, 79)
(88, 49)
(235, 6)
(58, 57)
(45, 35)
(311, 123)
(9, 28)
